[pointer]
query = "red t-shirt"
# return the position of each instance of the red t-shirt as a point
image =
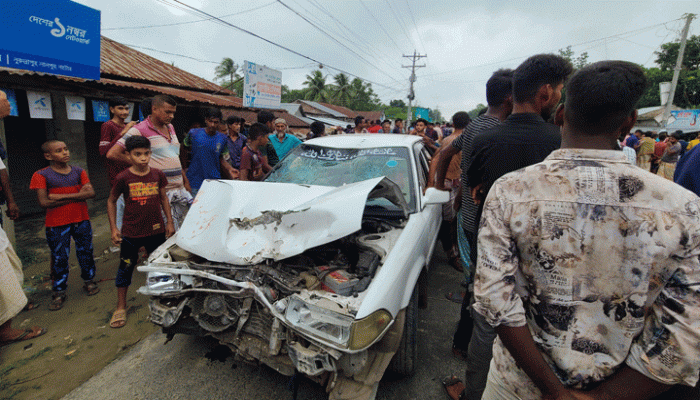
(109, 135)
(251, 160)
(142, 208)
(56, 183)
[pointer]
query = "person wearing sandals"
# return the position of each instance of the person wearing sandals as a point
(12, 297)
(144, 194)
(62, 190)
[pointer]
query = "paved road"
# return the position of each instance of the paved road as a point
(182, 370)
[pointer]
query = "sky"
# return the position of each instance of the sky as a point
(464, 41)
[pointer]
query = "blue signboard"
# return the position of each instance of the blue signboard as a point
(12, 98)
(53, 36)
(100, 110)
(422, 113)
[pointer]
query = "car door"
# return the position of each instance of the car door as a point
(430, 214)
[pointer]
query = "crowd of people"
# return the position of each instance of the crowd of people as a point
(578, 239)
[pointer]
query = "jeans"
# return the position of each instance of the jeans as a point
(58, 238)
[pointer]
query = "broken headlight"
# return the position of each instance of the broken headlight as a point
(320, 322)
(366, 330)
(162, 281)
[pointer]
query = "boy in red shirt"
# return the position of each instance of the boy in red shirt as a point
(252, 166)
(143, 189)
(62, 190)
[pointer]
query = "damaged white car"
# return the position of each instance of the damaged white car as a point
(316, 269)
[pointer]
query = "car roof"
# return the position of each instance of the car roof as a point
(365, 141)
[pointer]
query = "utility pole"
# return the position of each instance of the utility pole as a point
(411, 94)
(677, 69)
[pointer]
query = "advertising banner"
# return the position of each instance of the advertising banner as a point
(12, 98)
(422, 113)
(39, 105)
(55, 37)
(100, 110)
(75, 108)
(131, 113)
(262, 86)
(686, 120)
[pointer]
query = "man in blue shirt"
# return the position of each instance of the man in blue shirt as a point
(209, 151)
(235, 142)
(281, 140)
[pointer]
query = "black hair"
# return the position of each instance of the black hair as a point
(359, 119)
(649, 134)
(537, 71)
(602, 95)
(160, 99)
(386, 121)
(46, 146)
(265, 116)
(146, 106)
(117, 101)
(257, 129)
(233, 120)
(461, 120)
(424, 121)
(398, 120)
(499, 87)
(317, 127)
(677, 134)
(211, 113)
(662, 136)
(137, 142)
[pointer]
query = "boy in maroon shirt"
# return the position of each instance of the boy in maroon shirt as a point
(143, 189)
(252, 166)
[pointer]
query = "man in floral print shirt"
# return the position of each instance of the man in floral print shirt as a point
(588, 266)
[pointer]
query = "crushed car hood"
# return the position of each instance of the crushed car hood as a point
(243, 223)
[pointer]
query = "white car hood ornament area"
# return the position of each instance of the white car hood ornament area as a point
(243, 223)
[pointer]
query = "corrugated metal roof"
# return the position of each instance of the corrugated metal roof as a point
(187, 95)
(323, 108)
(119, 60)
(343, 110)
(252, 117)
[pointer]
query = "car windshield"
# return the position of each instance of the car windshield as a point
(326, 166)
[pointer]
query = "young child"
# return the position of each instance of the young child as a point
(143, 189)
(252, 166)
(62, 190)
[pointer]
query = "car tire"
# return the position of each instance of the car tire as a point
(404, 361)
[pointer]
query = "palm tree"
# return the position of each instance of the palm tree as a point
(316, 88)
(342, 92)
(227, 73)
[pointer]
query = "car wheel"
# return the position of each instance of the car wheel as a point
(404, 360)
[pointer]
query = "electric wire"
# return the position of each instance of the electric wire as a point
(188, 22)
(220, 21)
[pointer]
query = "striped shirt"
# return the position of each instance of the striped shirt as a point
(165, 154)
(464, 144)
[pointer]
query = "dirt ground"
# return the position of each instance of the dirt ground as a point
(79, 341)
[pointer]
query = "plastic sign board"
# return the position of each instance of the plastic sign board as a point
(39, 105)
(262, 86)
(75, 108)
(422, 113)
(100, 110)
(52, 36)
(686, 120)
(12, 98)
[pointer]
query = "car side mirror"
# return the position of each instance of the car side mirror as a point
(434, 196)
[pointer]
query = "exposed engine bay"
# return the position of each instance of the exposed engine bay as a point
(251, 307)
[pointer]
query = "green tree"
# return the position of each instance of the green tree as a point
(397, 103)
(316, 87)
(342, 92)
(227, 73)
(364, 98)
(475, 112)
(577, 62)
(666, 58)
(687, 94)
(290, 95)
(435, 115)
